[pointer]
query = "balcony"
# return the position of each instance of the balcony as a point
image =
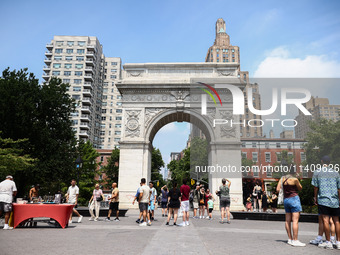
(88, 85)
(45, 76)
(86, 100)
(88, 76)
(89, 61)
(89, 69)
(85, 117)
(87, 92)
(85, 109)
(90, 54)
(48, 53)
(90, 46)
(83, 133)
(84, 125)
(49, 46)
(47, 68)
(47, 61)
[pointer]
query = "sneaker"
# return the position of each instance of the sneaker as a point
(116, 219)
(297, 243)
(107, 219)
(326, 245)
(95, 219)
(162, 215)
(175, 224)
(228, 221)
(337, 245)
(289, 241)
(221, 221)
(333, 241)
(182, 224)
(315, 241)
(201, 217)
(143, 224)
(8, 227)
(80, 218)
(138, 221)
(149, 223)
(91, 219)
(70, 222)
(207, 217)
(167, 224)
(187, 223)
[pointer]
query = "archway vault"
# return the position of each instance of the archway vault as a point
(160, 93)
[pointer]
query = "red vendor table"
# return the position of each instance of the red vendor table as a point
(59, 212)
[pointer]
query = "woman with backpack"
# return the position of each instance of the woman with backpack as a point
(174, 199)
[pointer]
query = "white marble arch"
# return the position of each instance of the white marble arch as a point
(155, 94)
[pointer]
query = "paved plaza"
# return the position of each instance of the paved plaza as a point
(126, 237)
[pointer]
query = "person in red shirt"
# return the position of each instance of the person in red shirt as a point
(185, 191)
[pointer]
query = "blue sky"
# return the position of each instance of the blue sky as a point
(293, 32)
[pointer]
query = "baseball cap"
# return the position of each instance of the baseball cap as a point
(326, 159)
(9, 177)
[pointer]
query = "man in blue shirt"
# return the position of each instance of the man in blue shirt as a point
(326, 182)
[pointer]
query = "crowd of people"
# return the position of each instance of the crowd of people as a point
(175, 201)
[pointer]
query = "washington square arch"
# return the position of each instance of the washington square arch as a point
(155, 94)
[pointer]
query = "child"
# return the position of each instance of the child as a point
(249, 203)
(210, 206)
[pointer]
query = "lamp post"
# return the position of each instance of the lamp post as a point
(79, 163)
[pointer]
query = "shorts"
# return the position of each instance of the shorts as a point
(143, 207)
(224, 202)
(151, 207)
(292, 204)
(174, 204)
(5, 207)
(185, 206)
(329, 211)
(164, 205)
(195, 205)
(210, 210)
(114, 206)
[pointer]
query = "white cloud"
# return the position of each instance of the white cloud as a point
(278, 64)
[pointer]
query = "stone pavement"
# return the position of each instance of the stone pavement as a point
(126, 237)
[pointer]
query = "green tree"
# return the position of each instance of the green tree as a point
(12, 159)
(323, 140)
(88, 171)
(156, 164)
(111, 170)
(284, 159)
(42, 115)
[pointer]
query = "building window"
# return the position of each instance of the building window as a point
(104, 118)
(119, 110)
(78, 73)
(76, 88)
(269, 172)
(117, 139)
(81, 43)
(119, 97)
(278, 156)
(57, 58)
(268, 158)
(113, 70)
(69, 51)
(79, 66)
(278, 145)
(244, 154)
(55, 73)
(302, 156)
(70, 43)
(67, 73)
(119, 103)
(80, 58)
(68, 66)
(113, 76)
(76, 97)
(254, 155)
(256, 171)
(114, 63)
(66, 81)
(77, 81)
(56, 65)
(80, 51)
(68, 58)
(118, 125)
(119, 118)
(253, 145)
(58, 50)
(102, 132)
(117, 132)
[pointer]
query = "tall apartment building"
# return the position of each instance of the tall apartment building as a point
(77, 60)
(111, 117)
(319, 108)
(222, 51)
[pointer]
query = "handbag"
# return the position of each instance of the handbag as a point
(280, 197)
(99, 199)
